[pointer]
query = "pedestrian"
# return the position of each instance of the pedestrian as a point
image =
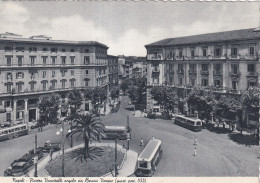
(195, 152)
(195, 141)
(153, 137)
(141, 142)
(49, 125)
(51, 153)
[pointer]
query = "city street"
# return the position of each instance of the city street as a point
(217, 155)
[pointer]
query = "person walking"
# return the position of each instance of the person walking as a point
(195, 141)
(51, 153)
(195, 152)
(141, 142)
(153, 137)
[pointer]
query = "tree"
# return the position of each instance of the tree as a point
(166, 97)
(125, 84)
(90, 127)
(114, 92)
(97, 96)
(74, 100)
(48, 107)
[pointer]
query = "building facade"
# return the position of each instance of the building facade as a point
(227, 61)
(113, 71)
(30, 67)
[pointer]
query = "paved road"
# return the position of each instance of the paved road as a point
(217, 154)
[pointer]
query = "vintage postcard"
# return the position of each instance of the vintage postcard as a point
(129, 91)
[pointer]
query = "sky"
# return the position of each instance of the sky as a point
(125, 27)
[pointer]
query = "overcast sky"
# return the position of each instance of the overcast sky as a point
(125, 26)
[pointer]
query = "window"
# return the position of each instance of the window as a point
(193, 67)
(8, 49)
(234, 68)
(251, 84)
(19, 87)
(86, 60)
(155, 80)
(72, 82)
(180, 53)
(8, 118)
(32, 49)
(86, 72)
(180, 68)
(63, 84)
(63, 50)
(251, 50)
(44, 86)
(43, 74)
(9, 76)
(63, 73)
(44, 49)
(217, 83)
(53, 60)
(234, 85)
(53, 84)
(19, 75)
(180, 81)
(217, 52)
(20, 60)
(192, 81)
(8, 87)
(32, 59)
(192, 52)
(53, 74)
(9, 60)
(156, 67)
(72, 72)
(86, 82)
(250, 67)
(234, 51)
(44, 61)
(204, 82)
(32, 75)
(204, 67)
(54, 50)
(218, 68)
(32, 85)
(86, 106)
(204, 52)
(19, 49)
(72, 50)
(63, 60)
(86, 50)
(72, 60)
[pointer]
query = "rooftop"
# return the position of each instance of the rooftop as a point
(149, 150)
(241, 34)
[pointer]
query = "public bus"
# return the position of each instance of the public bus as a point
(119, 132)
(13, 131)
(149, 158)
(190, 123)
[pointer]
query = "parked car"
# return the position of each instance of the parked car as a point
(36, 125)
(17, 169)
(54, 146)
(39, 153)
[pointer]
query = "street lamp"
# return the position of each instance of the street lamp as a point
(71, 140)
(35, 156)
(62, 142)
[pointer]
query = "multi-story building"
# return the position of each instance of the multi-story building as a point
(227, 61)
(30, 67)
(113, 71)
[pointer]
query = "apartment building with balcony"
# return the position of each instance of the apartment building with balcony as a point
(227, 61)
(30, 67)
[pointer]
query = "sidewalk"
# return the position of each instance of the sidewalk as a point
(127, 167)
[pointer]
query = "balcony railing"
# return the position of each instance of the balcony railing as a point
(217, 73)
(50, 65)
(154, 57)
(193, 72)
(252, 74)
(156, 70)
(234, 91)
(180, 71)
(237, 74)
(206, 72)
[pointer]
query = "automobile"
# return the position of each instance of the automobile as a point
(17, 169)
(47, 146)
(27, 158)
(5, 124)
(39, 153)
(36, 125)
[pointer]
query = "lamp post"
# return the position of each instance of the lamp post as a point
(116, 171)
(62, 145)
(35, 156)
(71, 140)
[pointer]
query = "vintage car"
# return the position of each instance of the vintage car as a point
(18, 169)
(54, 146)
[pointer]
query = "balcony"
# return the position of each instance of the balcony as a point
(234, 57)
(252, 74)
(251, 57)
(192, 72)
(180, 71)
(154, 57)
(206, 72)
(234, 91)
(237, 74)
(217, 73)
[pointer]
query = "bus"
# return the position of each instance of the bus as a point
(149, 159)
(119, 132)
(190, 123)
(13, 131)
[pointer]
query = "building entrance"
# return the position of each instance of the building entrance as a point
(32, 115)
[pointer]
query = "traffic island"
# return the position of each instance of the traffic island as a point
(102, 163)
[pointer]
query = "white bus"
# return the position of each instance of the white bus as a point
(149, 158)
(13, 131)
(190, 123)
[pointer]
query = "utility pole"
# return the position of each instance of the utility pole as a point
(62, 148)
(128, 128)
(116, 157)
(35, 156)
